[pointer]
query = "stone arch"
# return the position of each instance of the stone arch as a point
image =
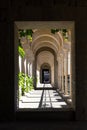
(46, 37)
(55, 65)
(46, 44)
(43, 36)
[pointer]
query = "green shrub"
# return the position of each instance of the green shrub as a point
(25, 83)
(21, 82)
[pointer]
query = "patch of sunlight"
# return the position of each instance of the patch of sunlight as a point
(28, 105)
(62, 103)
(54, 105)
(51, 99)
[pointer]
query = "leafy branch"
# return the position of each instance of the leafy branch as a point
(25, 82)
(21, 50)
(26, 33)
(63, 31)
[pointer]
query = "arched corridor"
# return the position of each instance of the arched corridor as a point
(45, 67)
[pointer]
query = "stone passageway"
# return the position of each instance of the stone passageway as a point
(42, 99)
(45, 57)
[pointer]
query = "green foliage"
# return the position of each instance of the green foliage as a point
(21, 51)
(64, 32)
(28, 33)
(21, 82)
(22, 33)
(21, 79)
(29, 37)
(54, 31)
(25, 82)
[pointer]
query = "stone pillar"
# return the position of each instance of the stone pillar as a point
(52, 75)
(62, 73)
(34, 72)
(59, 72)
(27, 66)
(31, 69)
(66, 72)
(20, 64)
(70, 78)
(23, 69)
(55, 72)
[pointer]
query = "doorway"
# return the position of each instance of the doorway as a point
(45, 76)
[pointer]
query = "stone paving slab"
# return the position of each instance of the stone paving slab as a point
(42, 99)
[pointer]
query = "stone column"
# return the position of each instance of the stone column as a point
(31, 69)
(62, 73)
(34, 72)
(27, 66)
(70, 78)
(23, 69)
(56, 74)
(66, 72)
(20, 64)
(59, 72)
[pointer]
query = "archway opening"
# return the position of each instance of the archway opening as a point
(37, 45)
(45, 74)
(45, 58)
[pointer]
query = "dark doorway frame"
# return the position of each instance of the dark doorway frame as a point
(45, 79)
(45, 66)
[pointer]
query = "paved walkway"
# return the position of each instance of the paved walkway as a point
(42, 99)
(41, 85)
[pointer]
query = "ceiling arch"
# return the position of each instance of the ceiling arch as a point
(45, 48)
(45, 56)
(45, 65)
(52, 52)
(43, 38)
(45, 44)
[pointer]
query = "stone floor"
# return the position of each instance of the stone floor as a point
(41, 85)
(42, 99)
